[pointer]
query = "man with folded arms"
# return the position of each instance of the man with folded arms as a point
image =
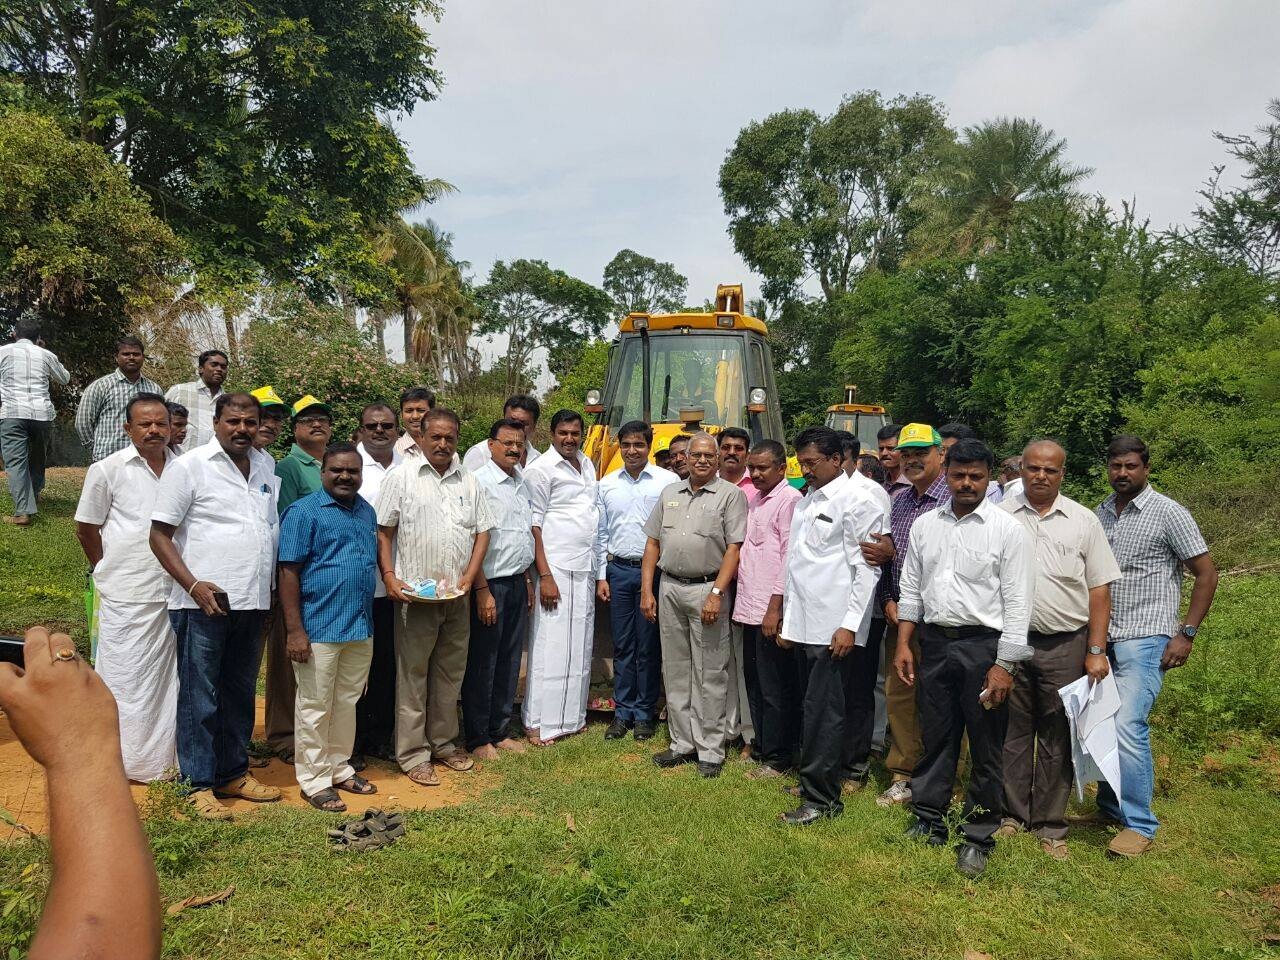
(214, 530)
(966, 585)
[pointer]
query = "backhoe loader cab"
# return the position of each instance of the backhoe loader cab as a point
(863, 420)
(683, 372)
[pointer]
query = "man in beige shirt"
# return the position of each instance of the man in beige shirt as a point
(694, 534)
(1074, 568)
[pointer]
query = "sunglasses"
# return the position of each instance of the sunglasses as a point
(375, 427)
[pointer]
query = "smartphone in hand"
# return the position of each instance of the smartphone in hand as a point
(11, 651)
(222, 600)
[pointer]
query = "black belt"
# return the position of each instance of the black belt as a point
(961, 633)
(625, 562)
(688, 581)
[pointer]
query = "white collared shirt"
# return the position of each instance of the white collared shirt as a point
(199, 401)
(829, 584)
(25, 372)
(564, 506)
(370, 483)
(118, 498)
(436, 518)
(227, 527)
(624, 505)
(977, 570)
(878, 494)
(478, 455)
(511, 539)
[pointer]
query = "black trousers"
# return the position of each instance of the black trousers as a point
(376, 710)
(781, 694)
(860, 704)
(751, 674)
(950, 676)
(823, 728)
(493, 664)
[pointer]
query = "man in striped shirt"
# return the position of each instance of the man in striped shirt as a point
(26, 412)
(101, 415)
(200, 396)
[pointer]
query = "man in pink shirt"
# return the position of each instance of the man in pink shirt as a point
(772, 674)
(734, 443)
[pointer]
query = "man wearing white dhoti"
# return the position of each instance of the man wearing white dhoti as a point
(562, 497)
(137, 652)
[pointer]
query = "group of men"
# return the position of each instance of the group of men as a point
(766, 615)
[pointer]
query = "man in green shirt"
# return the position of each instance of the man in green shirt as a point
(299, 474)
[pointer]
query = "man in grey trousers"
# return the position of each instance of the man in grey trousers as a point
(26, 413)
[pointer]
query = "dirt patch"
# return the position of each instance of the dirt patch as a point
(22, 789)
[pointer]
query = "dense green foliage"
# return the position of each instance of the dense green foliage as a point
(640, 284)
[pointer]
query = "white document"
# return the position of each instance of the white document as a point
(1091, 712)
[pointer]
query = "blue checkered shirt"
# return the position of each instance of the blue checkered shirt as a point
(907, 507)
(338, 549)
(100, 415)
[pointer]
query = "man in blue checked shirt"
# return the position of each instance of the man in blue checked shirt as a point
(626, 498)
(328, 573)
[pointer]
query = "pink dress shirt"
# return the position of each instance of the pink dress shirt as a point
(762, 567)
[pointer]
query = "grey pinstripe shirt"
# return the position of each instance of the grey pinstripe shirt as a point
(100, 416)
(1151, 538)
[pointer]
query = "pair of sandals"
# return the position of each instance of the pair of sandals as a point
(328, 801)
(424, 774)
(372, 831)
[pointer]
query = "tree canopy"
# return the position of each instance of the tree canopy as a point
(640, 284)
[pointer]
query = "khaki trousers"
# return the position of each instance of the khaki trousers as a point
(329, 684)
(695, 670)
(906, 747)
(431, 661)
(279, 684)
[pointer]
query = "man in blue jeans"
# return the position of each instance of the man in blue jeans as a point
(1152, 538)
(214, 530)
(626, 498)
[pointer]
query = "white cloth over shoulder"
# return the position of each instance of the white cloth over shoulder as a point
(1091, 713)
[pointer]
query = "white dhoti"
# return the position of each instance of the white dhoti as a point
(559, 673)
(138, 661)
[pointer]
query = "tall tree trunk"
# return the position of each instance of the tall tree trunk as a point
(407, 316)
(380, 336)
(233, 345)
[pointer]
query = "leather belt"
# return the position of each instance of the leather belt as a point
(626, 562)
(961, 633)
(688, 581)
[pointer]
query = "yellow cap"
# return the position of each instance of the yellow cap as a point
(311, 405)
(268, 397)
(662, 443)
(918, 435)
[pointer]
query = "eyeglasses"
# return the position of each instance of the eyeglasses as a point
(701, 456)
(375, 427)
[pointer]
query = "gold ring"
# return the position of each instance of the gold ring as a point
(66, 653)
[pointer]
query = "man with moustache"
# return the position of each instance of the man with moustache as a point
(328, 570)
(679, 450)
(1074, 568)
(562, 496)
(100, 416)
(375, 713)
(524, 410)
(433, 523)
(694, 537)
(274, 410)
(1153, 538)
(415, 404)
(625, 498)
(137, 653)
(887, 451)
(214, 530)
(966, 587)
(200, 396)
(773, 682)
(500, 611)
(178, 416)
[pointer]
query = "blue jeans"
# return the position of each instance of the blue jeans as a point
(1136, 663)
(637, 652)
(218, 661)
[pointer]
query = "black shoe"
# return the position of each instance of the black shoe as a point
(669, 758)
(644, 730)
(617, 730)
(806, 814)
(919, 830)
(709, 770)
(971, 861)
(358, 762)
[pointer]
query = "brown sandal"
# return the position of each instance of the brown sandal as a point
(424, 775)
(457, 761)
(247, 788)
(356, 784)
(326, 800)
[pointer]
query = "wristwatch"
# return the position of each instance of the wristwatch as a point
(716, 591)
(1008, 666)
(1189, 631)
(1096, 651)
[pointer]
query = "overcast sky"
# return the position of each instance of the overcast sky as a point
(574, 128)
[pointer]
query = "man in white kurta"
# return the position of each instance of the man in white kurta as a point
(562, 498)
(137, 653)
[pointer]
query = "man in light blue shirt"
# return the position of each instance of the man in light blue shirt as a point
(501, 600)
(626, 498)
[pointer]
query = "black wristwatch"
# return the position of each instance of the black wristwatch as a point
(1189, 631)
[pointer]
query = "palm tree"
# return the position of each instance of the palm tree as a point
(1000, 170)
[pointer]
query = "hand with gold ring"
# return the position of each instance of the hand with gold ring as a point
(64, 718)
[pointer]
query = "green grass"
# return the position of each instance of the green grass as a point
(663, 864)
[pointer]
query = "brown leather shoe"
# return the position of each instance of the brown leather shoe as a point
(1128, 843)
(19, 520)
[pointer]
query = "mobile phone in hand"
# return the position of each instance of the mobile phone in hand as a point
(11, 651)
(222, 600)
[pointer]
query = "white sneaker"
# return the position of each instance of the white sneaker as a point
(899, 792)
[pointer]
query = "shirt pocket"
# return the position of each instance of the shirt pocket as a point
(821, 533)
(974, 565)
(706, 522)
(1060, 561)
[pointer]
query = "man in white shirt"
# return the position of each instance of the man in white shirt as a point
(503, 598)
(376, 713)
(524, 410)
(26, 414)
(562, 494)
(625, 499)
(137, 653)
(826, 611)
(200, 397)
(967, 583)
(415, 404)
(433, 523)
(214, 530)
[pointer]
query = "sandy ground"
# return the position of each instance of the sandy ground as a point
(22, 791)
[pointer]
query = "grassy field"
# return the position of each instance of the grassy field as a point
(587, 851)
